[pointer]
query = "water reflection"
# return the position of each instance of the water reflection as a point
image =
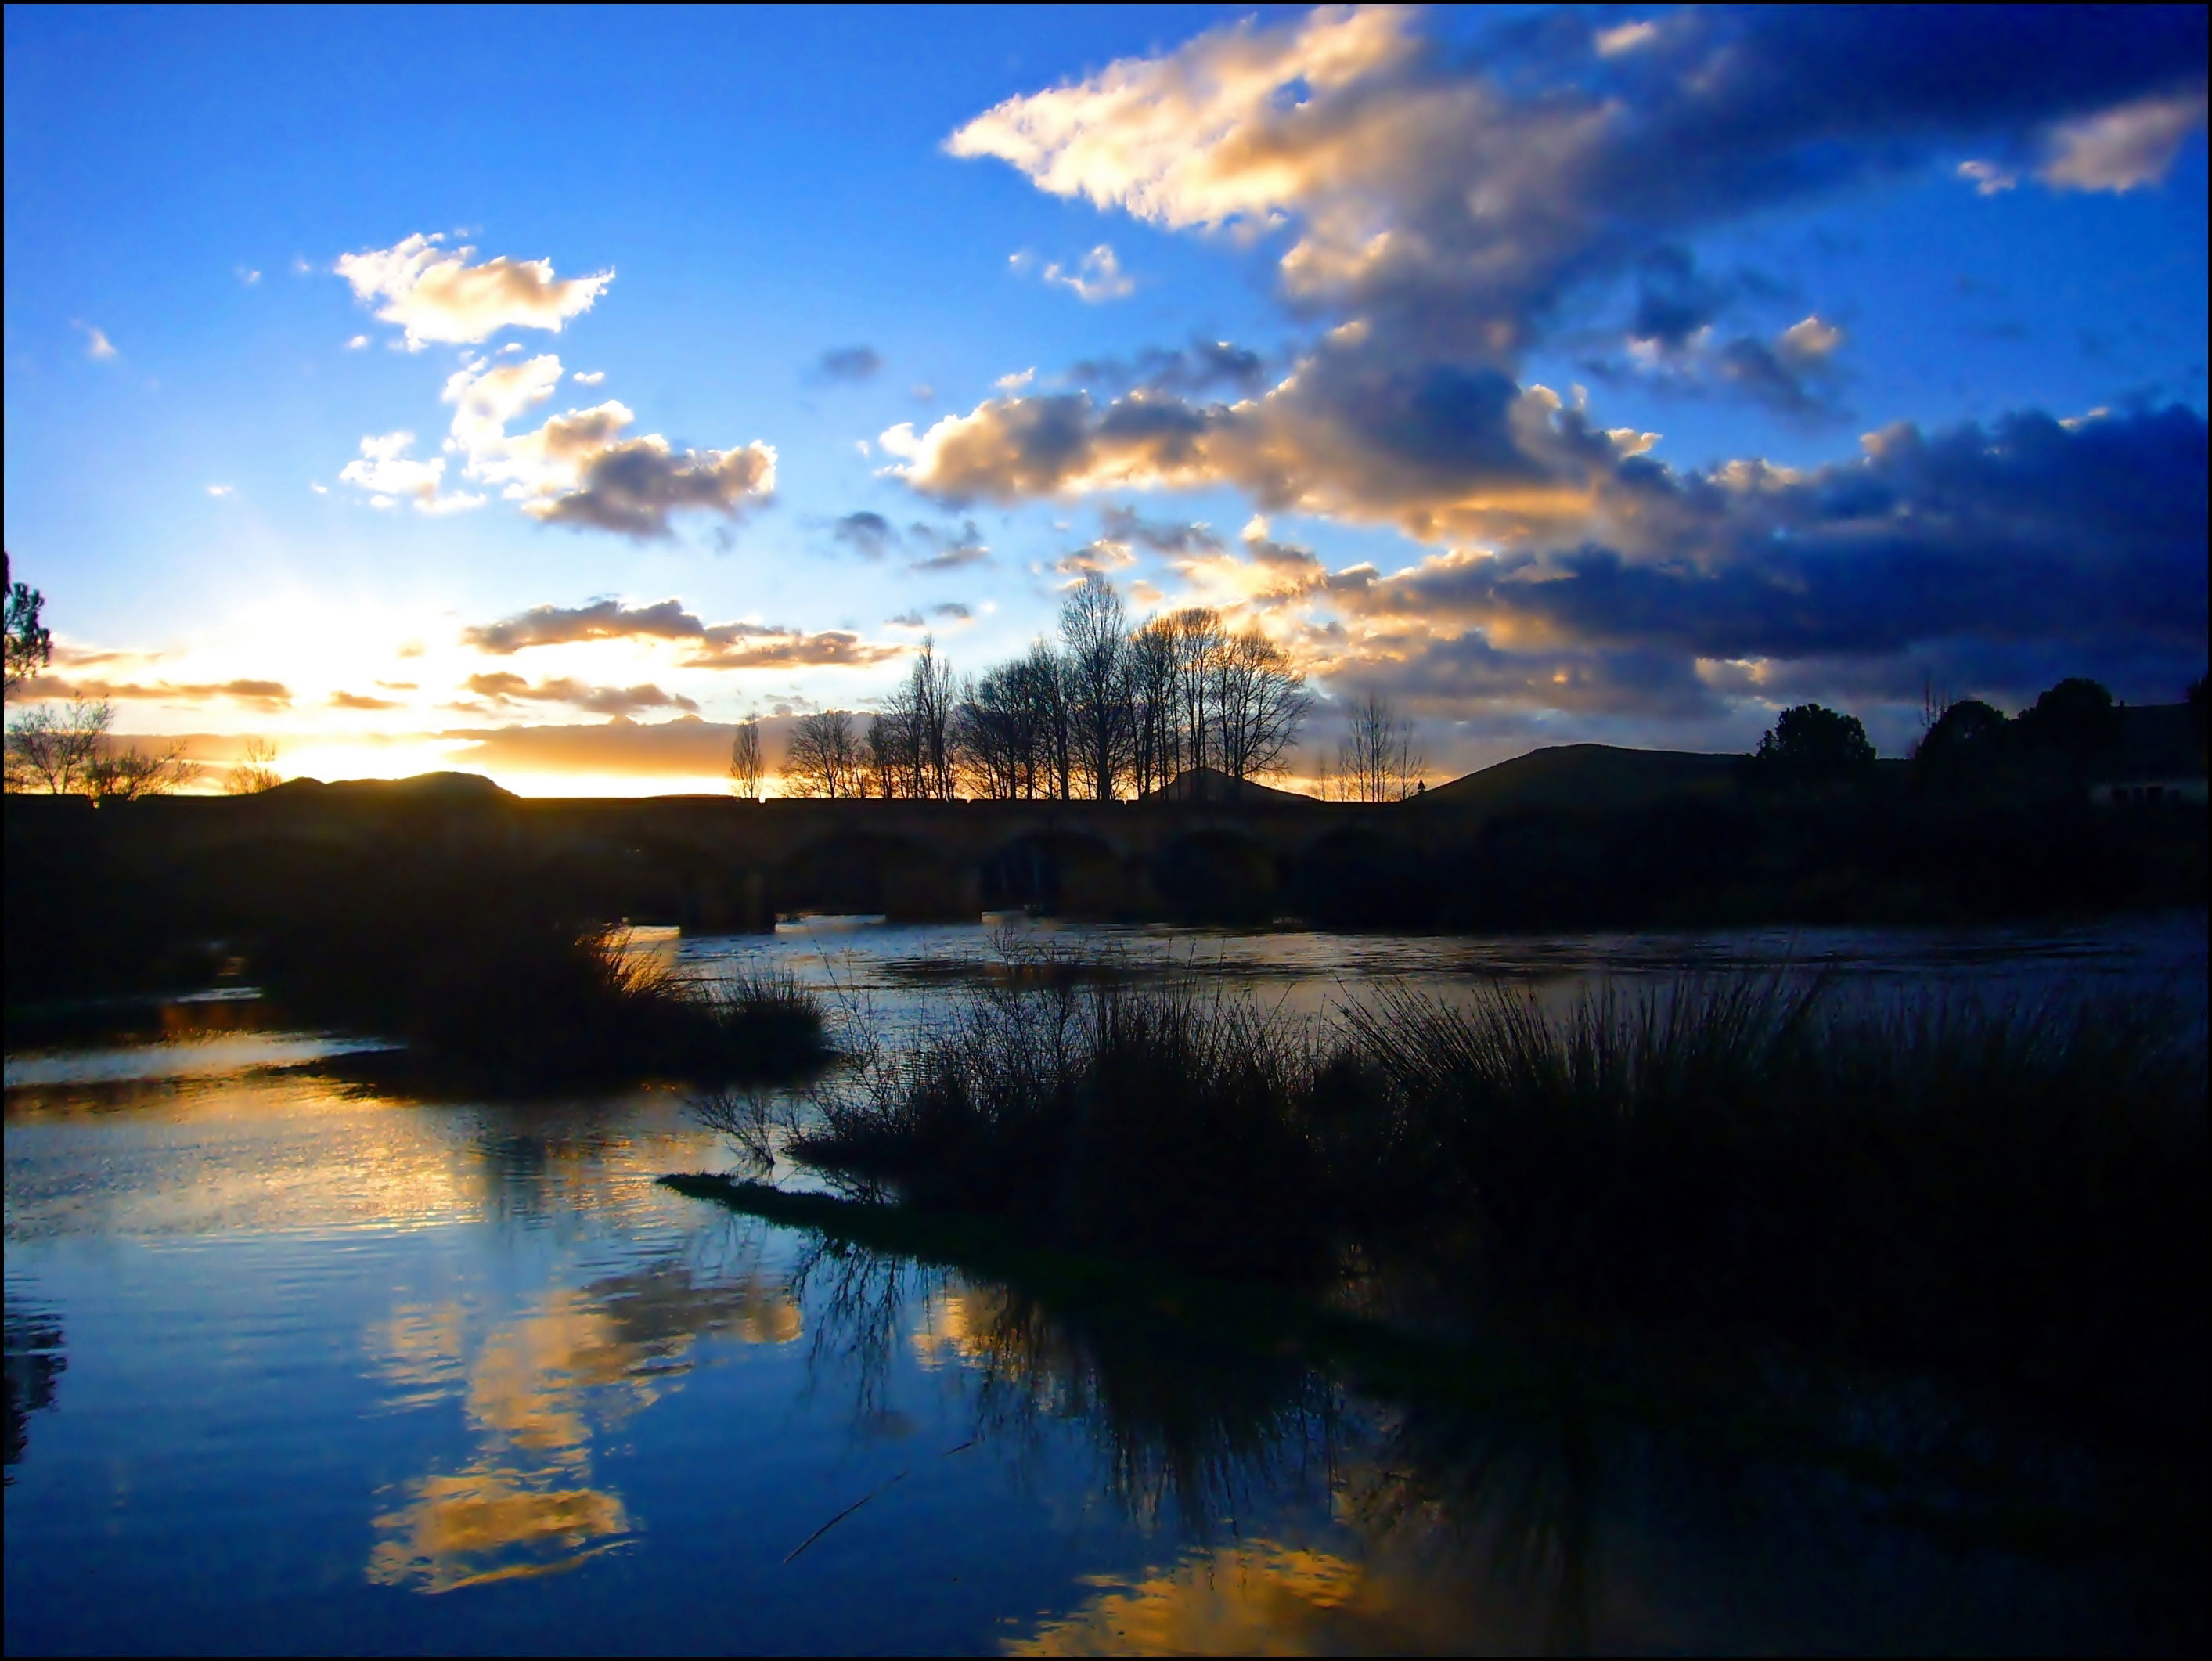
(539, 1390)
(353, 1348)
(34, 1363)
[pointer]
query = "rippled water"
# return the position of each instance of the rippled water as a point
(298, 1367)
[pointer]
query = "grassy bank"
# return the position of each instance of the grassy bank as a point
(2014, 1196)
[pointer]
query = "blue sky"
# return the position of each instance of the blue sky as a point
(1620, 373)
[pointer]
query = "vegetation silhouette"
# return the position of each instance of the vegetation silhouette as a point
(2011, 1196)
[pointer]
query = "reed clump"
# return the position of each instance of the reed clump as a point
(1149, 1121)
(2012, 1193)
(494, 988)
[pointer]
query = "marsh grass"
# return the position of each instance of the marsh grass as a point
(2013, 1194)
(508, 1003)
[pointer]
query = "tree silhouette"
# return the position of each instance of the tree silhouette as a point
(30, 647)
(2075, 722)
(1809, 744)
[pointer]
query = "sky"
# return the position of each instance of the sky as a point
(537, 393)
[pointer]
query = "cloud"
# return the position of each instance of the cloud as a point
(248, 277)
(362, 701)
(1162, 536)
(436, 296)
(716, 646)
(266, 695)
(583, 377)
(502, 687)
(1014, 383)
(1991, 178)
(1624, 37)
(1463, 204)
(851, 364)
(870, 535)
(1438, 448)
(97, 346)
(1099, 276)
(578, 469)
(1998, 556)
(945, 611)
(1200, 367)
(2123, 148)
(1100, 556)
(220, 490)
(358, 343)
(951, 551)
(385, 469)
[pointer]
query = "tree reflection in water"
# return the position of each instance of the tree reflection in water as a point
(1564, 1496)
(34, 1362)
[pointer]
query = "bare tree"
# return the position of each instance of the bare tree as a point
(825, 758)
(30, 647)
(1155, 715)
(1094, 628)
(256, 771)
(65, 750)
(1260, 702)
(746, 767)
(1044, 678)
(1201, 643)
(1378, 760)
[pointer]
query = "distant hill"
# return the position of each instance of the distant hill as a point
(1596, 776)
(449, 787)
(1212, 784)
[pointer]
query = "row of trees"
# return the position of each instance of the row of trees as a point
(1106, 711)
(2070, 730)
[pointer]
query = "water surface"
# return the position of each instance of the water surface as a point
(296, 1365)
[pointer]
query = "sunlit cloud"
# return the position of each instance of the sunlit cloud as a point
(2125, 148)
(97, 346)
(436, 296)
(1099, 277)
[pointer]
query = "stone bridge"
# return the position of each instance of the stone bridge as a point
(738, 866)
(718, 864)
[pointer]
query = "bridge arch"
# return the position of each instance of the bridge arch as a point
(900, 877)
(1218, 872)
(1056, 869)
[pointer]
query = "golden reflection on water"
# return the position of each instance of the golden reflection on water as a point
(537, 1390)
(1255, 1599)
(961, 1322)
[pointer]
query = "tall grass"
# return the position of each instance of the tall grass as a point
(2015, 1193)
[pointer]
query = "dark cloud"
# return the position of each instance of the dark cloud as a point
(949, 549)
(1200, 366)
(633, 486)
(1674, 300)
(1126, 525)
(2046, 543)
(849, 363)
(870, 535)
(718, 645)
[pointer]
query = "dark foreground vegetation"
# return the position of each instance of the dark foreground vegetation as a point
(492, 960)
(2012, 1198)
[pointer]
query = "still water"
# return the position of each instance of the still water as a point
(299, 1366)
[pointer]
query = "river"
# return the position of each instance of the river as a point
(296, 1365)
